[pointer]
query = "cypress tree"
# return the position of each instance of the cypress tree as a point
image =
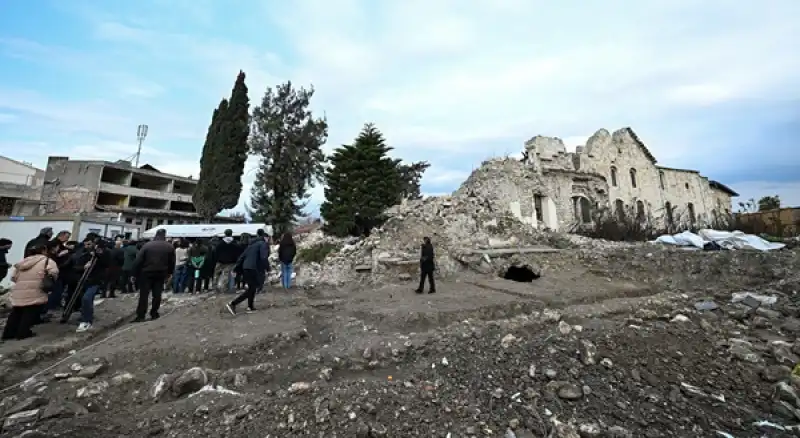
(362, 182)
(224, 154)
(204, 197)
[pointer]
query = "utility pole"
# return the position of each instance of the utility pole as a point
(141, 134)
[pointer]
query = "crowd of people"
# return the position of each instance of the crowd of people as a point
(58, 274)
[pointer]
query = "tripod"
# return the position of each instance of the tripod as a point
(78, 292)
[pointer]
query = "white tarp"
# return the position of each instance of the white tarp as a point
(725, 239)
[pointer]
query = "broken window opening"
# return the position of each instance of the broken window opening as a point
(521, 274)
(613, 176)
(633, 178)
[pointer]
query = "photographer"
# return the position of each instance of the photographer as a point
(92, 256)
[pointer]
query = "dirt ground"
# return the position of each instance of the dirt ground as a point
(606, 344)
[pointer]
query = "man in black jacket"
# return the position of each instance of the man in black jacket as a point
(427, 265)
(226, 254)
(39, 241)
(93, 258)
(5, 246)
(154, 263)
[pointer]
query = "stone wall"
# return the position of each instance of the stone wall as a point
(634, 180)
(548, 198)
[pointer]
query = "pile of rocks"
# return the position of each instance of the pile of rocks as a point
(459, 226)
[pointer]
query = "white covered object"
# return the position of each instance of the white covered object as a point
(725, 239)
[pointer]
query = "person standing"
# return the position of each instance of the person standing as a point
(129, 253)
(197, 256)
(286, 253)
(154, 263)
(94, 259)
(181, 257)
(5, 246)
(32, 276)
(116, 260)
(254, 263)
(207, 270)
(39, 241)
(427, 264)
(227, 252)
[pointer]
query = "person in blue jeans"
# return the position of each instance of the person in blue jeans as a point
(181, 257)
(92, 256)
(287, 250)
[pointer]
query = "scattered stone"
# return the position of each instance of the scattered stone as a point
(606, 362)
(532, 370)
(122, 378)
(508, 340)
(680, 318)
(191, 380)
(706, 305)
(161, 385)
(550, 373)
(93, 389)
(588, 352)
(564, 328)
(28, 404)
(299, 387)
(92, 371)
(775, 373)
(569, 391)
(21, 418)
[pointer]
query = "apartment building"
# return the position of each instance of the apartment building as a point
(20, 187)
(142, 196)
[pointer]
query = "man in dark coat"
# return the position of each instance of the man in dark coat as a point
(5, 246)
(254, 264)
(154, 263)
(427, 264)
(227, 252)
(39, 241)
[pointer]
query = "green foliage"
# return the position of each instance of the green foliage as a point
(316, 253)
(411, 177)
(289, 141)
(224, 154)
(769, 203)
(362, 182)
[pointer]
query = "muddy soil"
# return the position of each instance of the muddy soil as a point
(589, 349)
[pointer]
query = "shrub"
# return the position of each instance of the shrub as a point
(316, 253)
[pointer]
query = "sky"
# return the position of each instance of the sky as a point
(712, 85)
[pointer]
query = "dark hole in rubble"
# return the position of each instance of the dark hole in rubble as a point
(522, 274)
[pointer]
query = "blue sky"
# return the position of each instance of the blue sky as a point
(710, 85)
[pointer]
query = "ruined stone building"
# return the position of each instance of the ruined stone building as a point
(613, 173)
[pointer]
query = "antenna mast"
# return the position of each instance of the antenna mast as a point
(141, 134)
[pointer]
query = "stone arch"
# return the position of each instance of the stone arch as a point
(633, 177)
(690, 209)
(640, 210)
(613, 176)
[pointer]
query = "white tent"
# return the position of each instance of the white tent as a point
(207, 230)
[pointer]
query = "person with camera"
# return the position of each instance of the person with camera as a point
(34, 277)
(91, 261)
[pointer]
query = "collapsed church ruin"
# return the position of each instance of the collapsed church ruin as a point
(613, 173)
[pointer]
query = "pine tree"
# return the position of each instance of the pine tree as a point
(224, 154)
(289, 141)
(411, 177)
(362, 182)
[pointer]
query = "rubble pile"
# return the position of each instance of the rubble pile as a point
(474, 218)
